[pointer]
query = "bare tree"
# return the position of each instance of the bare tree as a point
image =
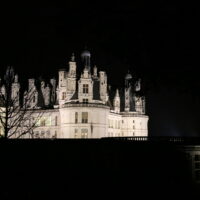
(18, 116)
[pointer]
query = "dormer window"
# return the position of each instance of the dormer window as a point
(85, 88)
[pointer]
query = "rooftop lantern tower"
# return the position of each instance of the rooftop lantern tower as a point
(85, 56)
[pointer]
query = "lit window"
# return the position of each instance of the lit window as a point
(75, 133)
(48, 133)
(84, 117)
(76, 117)
(84, 133)
(63, 95)
(37, 134)
(85, 88)
(48, 121)
(55, 135)
(56, 120)
(42, 134)
(43, 122)
(85, 100)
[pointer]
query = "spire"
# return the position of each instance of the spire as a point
(138, 85)
(117, 102)
(73, 57)
(117, 93)
(128, 78)
(16, 78)
(85, 55)
(95, 71)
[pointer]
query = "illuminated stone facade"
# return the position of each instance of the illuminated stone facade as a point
(83, 106)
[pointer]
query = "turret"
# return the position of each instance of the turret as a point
(128, 79)
(45, 93)
(3, 90)
(138, 104)
(62, 77)
(71, 78)
(138, 85)
(15, 91)
(72, 67)
(103, 86)
(116, 102)
(53, 91)
(85, 55)
(62, 86)
(31, 84)
(31, 96)
(95, 72)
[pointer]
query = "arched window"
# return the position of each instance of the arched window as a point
(76, 117)
(84, 117)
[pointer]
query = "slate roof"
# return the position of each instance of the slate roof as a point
(96, 90)
(75, 96)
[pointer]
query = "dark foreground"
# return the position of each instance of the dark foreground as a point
(57, 169)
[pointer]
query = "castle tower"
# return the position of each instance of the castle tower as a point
(128, 79)
(62, 86)
(103, 86)
(31, 96)
(45, 93)
(138, 85)
(85, 56)
(85, 87)
(53, 91)
(71, 78)
(95, 72)
(15, 91)
(116, 102)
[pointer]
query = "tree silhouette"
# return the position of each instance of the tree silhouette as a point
(18, 113)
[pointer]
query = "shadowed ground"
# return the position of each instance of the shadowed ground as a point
(56, 169)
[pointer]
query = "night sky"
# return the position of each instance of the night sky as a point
(156, 41)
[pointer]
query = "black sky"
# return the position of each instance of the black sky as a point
(156, 41)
